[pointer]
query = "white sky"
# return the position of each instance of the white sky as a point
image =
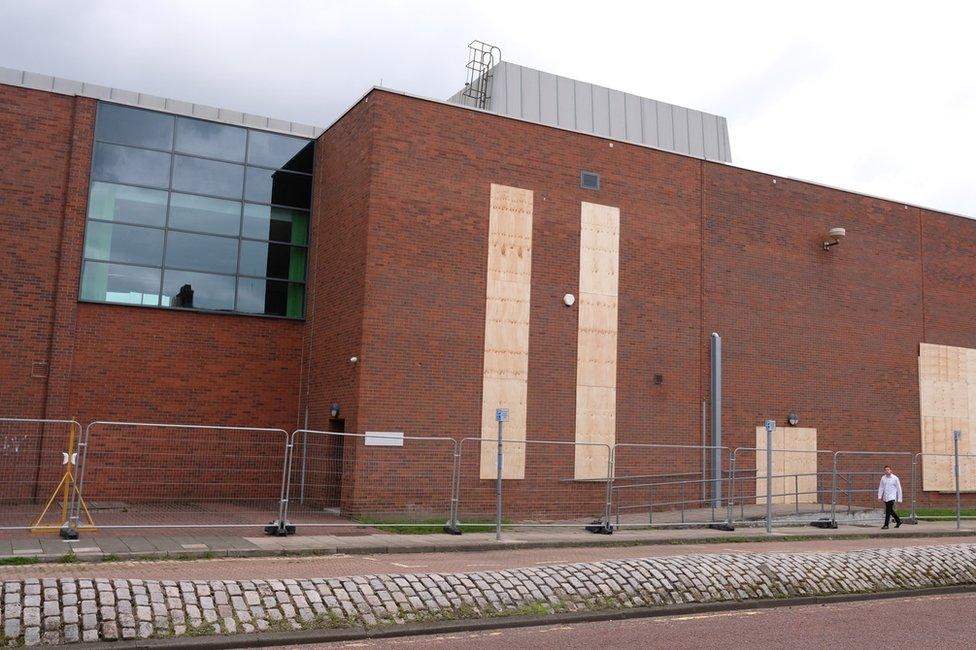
(877, 97)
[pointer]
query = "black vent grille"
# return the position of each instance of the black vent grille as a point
(589, 180)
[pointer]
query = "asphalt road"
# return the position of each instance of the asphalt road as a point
(937, 622)
(328, 566)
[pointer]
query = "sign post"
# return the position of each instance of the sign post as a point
(501, 417)
(956, 435)
(770, 427)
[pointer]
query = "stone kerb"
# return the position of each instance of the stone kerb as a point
(53, 611)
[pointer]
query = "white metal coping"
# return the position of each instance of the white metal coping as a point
(36, 81)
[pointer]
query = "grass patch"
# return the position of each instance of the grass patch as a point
(69, 557)
(424, 526)
(18, 561)
(941, 514)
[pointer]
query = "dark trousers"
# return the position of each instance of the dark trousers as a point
(890, 512)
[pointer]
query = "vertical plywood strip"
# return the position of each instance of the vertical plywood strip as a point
(947, 403)
(506, 360)
(596, 361)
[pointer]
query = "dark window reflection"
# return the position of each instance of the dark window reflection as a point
(270, 297)
(210, 139)
(280, 152)
(208, 177)
(272, 260)
(168, 224)
(274, 223)
(118, 243)
(201, 252)
(282, 188)
(140, 128)
(112, 162)
(203, 290)
(126, 203)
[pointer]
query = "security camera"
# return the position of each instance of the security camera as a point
(834, 236)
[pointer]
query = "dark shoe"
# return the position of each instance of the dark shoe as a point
(898, 525)
(884, 528)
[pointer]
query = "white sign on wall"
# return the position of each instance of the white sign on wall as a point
(384, 438)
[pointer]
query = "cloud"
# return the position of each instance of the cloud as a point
(871, 96)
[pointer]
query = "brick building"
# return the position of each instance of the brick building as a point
(167, 262)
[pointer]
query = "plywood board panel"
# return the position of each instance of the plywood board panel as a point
(947, 403)
(792, 470)
(779, 467)
(599, 254)
(507, 309)
(595, 430)
(596, 361)
(512, 394)
(800, 467)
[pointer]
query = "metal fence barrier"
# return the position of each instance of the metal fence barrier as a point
(798, 493)
(957, 465)
(130, 475)
(166, 475)
(369, 479)
(856, 475)
(688, 497)
(37, 467)
(546, 493)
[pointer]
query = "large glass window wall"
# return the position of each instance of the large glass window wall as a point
(190, 214)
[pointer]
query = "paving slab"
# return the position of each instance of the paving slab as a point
(137, 544)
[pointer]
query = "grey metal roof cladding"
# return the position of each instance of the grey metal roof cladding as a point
(61, 86)
(530, 94)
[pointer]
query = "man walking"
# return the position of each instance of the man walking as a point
(890, 491)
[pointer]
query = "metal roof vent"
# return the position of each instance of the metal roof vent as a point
(589, 180)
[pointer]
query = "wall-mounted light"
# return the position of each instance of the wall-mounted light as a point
(334, 409)
(834, 235)
(792, 419)
(569, 300)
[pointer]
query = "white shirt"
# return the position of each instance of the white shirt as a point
(890, 488)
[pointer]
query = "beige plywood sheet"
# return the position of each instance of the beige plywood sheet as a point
(512, 394)
(507, 308)
(794, 470)
(947, 403)
(779, 467)
(599, 249)
(596, 361)
(800, 467)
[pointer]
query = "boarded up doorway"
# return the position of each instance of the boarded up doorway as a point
(794, 471)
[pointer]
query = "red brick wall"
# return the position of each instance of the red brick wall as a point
(333, 331)
(397, 278)
(113, 361)
(704, 247)
(35, 141)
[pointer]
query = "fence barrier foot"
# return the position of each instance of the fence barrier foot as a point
(452, 529)
(913, 521)
(66, 532)
(824, 523)
(279, 529)
(726, 527)
(599, 527)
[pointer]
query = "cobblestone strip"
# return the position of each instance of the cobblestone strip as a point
(68, 610)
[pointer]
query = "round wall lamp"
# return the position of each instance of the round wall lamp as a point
(792, 419)
(569, 300)
(834, 235)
